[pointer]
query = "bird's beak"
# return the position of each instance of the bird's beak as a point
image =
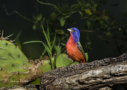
(70, 30)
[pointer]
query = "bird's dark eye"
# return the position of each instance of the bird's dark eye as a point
(74, 30)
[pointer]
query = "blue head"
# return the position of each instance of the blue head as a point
(75, 34)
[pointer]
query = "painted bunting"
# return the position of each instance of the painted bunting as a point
(73, 46)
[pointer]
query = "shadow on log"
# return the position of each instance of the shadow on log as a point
(105, 74)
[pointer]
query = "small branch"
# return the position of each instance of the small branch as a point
(70, 13)
(120, 38)
(50, 5)
(87, 30)
(19, 15)
(16, 12)
(107, 18)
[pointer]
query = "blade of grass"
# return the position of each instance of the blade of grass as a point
(48, 34)
(43, 53)
(53, 42)
(48, 42)
(47, 49)
(32, 42)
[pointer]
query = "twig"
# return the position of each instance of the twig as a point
(87, 30)
(50, 5)
(16, 12)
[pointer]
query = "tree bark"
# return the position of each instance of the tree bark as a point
(105, 74)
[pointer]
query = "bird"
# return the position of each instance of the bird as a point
(73, 46)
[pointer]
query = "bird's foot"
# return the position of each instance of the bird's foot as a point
(71, 63)
(81, 64)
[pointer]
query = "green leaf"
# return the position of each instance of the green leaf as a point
(62, 21)
(108, 34)
(63, 44)
(43, 53)
(95, 5)
(43, 19)
(53, 15)
(46, 35)
(81, 13)
(119, 29)
(35, 82)
(88, 23)
(86, 55)
(103, 12)
(89, 43)
(59, 31)
(49, 45)
(88, 12)
(101, 22)
(63, 60)
(18, 41)
(79, 2)
(58, 50)
(47, 49)
(74, 5)
(67, 16)
(87, 5)
(39, 17)
(32, 42)
(34, 27)
(46, 66)
(53, 42)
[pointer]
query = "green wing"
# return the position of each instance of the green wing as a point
(81, 49)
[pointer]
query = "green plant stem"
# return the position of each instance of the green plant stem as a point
(50, 5)
(52, 64)
(47, 49)
(16, 12)
(32, 42)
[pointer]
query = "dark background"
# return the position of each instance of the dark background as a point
(13, 24)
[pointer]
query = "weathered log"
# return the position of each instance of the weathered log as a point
(99, 74)
(24, 87)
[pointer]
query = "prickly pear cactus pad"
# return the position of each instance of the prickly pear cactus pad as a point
(13, 63)
(15, 68)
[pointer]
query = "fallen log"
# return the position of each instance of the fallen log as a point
(102, 74)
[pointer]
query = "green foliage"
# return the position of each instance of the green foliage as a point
(101, 23)
(17, 40)
(59, 31)
(88, 12)
(34, 27)
(62, 21)
(46, 65)
(49, 45)
(36, 82)
(63, 60)
(87, 56)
